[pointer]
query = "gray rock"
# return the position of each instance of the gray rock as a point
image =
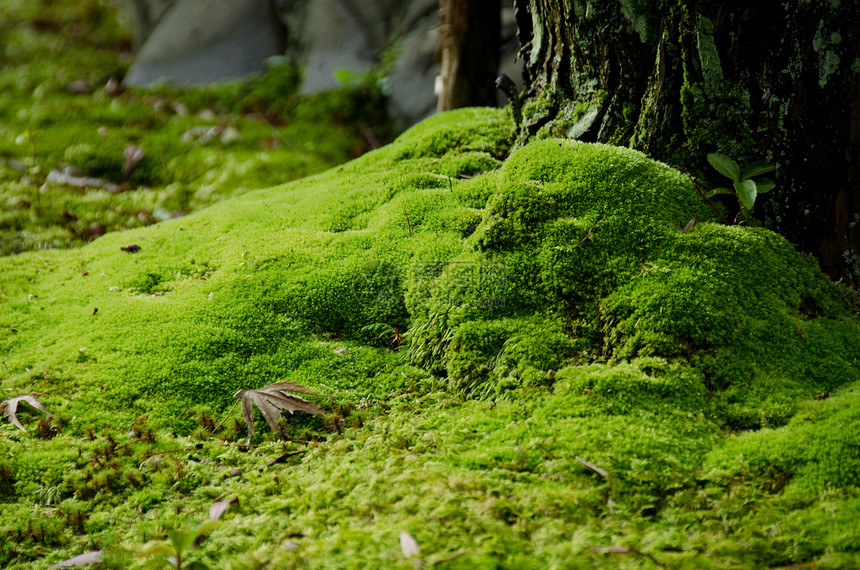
(355, 35)
(142, 16)
(345, 35)
(203, 41)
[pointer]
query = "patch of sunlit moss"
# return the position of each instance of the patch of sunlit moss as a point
(568, 372)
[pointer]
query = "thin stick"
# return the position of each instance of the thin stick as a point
(8, 373)
(371, 137)
(699, 187)
(599, 470)
(225, 418)
(154, 453)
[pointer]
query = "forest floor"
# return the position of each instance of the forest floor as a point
(507, 358)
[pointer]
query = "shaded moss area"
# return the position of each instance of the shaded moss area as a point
(530, 364)
(67, 127)
(679, 80)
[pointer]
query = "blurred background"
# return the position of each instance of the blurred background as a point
(116, 114)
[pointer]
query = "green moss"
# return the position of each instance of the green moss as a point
(817, 450)
(566, 372)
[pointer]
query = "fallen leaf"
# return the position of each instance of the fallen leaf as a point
(114, 87)
(272, 401)
(9, 407)
(92, 557)
(17, 165)
(689, 225)
(201, 134)
(284, 457)
(614, 549)
(70, 177)
(131, 157)
(217, 509)
(408, 544)
(79, 86)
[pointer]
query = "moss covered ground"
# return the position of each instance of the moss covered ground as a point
(63, 110)
(527, 362)
(528, 365)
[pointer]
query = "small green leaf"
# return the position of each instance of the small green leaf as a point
(764, 185)
(725, 166)
(746, 191)
(157, 549)
(181, 540)
(757, 168)
(721, 190)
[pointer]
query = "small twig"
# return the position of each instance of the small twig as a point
(689, 225)
(285, 456)
(699, 186)
(12, 382)
(589, 232)
(371, 138)
(154, 453)
(599, 470)
(225, 418)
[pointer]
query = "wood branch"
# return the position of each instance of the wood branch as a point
(599, 470)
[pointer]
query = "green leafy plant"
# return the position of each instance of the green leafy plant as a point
(744, 184)
(179, 542)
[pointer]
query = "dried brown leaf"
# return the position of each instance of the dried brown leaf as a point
(272, 401)
(9, 407)
(92, 557)
(217, 509)
(689, 225)
(131, 157)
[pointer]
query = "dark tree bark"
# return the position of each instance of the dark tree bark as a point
(470, 44)
(677, 79)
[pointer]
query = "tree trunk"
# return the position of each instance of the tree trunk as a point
(470, 43)
(678, 79)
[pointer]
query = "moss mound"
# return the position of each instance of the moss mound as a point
(530, 365)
